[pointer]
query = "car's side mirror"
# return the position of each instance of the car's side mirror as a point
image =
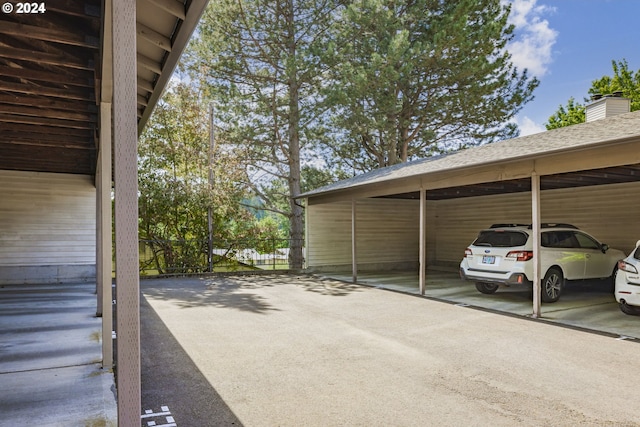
(604, 248)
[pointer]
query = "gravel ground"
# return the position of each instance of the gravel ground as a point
(288, 350)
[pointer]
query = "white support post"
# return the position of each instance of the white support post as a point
(535, 220)
(423, 241)
(125, 135)
(104, 177)
(104, 232)
(354, 253)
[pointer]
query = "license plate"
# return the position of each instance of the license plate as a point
(488, 259)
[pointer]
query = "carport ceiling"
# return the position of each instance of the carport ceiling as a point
(613, 175)
(50, 66)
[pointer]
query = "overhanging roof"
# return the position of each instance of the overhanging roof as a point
(571, 139)
(51, 79)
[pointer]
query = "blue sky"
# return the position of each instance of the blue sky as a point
(567, 44)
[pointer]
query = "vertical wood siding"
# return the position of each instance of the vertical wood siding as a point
(46, 219)
(385, 232)
(388, 229)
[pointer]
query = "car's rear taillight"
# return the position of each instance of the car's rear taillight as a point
(467, 252)
(625, 266)
(520, 255)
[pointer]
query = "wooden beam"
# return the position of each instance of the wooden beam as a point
(145, 85)
(43, 102)
(46, 58)
(70, 77)
(142, 100)
(57, 141)
(149, 64)
(153, 37)
(174, 7)
(75, 94)
(87, 9)
(47, 34)
(13, 118)
(47, 112)
(41, 132)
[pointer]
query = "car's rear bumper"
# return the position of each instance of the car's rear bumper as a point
(513, 279)
(627, 289)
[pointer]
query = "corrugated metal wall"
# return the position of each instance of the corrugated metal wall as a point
(46, 220)
(388, 229)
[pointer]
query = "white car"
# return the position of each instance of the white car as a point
(628, 283)
(501, 256)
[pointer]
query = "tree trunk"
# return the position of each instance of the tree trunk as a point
(296, 232)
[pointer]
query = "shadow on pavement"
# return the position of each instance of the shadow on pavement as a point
(171, 379)
(319, 285)
(189, 292)
(236, 291)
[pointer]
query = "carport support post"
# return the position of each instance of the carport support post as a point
(535, 219)
(125, 136)
(423, 229)
(354, 257)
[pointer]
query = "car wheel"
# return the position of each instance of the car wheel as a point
(629, 309)
(487, 288)
(552, 285)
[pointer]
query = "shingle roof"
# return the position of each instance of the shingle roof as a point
(578, 136)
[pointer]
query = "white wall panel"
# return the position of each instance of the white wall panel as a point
(386, 232)
(46, 219)
(609, 212)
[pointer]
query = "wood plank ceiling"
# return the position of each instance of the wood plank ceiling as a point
(50, 66)
(48, 113)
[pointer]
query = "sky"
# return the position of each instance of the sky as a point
(567, 44)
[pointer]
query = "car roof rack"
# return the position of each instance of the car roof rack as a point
(530, 226)
(555, 225)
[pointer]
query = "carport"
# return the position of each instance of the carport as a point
(421, 215)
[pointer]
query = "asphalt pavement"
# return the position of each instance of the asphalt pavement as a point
(286, 350)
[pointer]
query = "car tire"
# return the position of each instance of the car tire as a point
(629, 309)
(487, 288)
(552, 285)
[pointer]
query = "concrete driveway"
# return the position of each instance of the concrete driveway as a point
(589, 305)
(297, 350)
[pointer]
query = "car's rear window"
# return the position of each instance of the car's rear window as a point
(501, 238)
(636, 254)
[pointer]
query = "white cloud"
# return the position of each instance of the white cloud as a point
(528, 126)
(532, 45)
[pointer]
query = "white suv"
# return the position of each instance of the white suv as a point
(501, 255)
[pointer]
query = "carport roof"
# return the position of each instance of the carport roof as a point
(599, 133)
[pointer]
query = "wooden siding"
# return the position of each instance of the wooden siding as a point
(388, 229)
(386, 232)
(46, 219)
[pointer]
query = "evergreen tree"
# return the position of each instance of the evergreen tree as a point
(410, 79)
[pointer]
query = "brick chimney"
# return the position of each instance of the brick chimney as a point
(605, 106)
